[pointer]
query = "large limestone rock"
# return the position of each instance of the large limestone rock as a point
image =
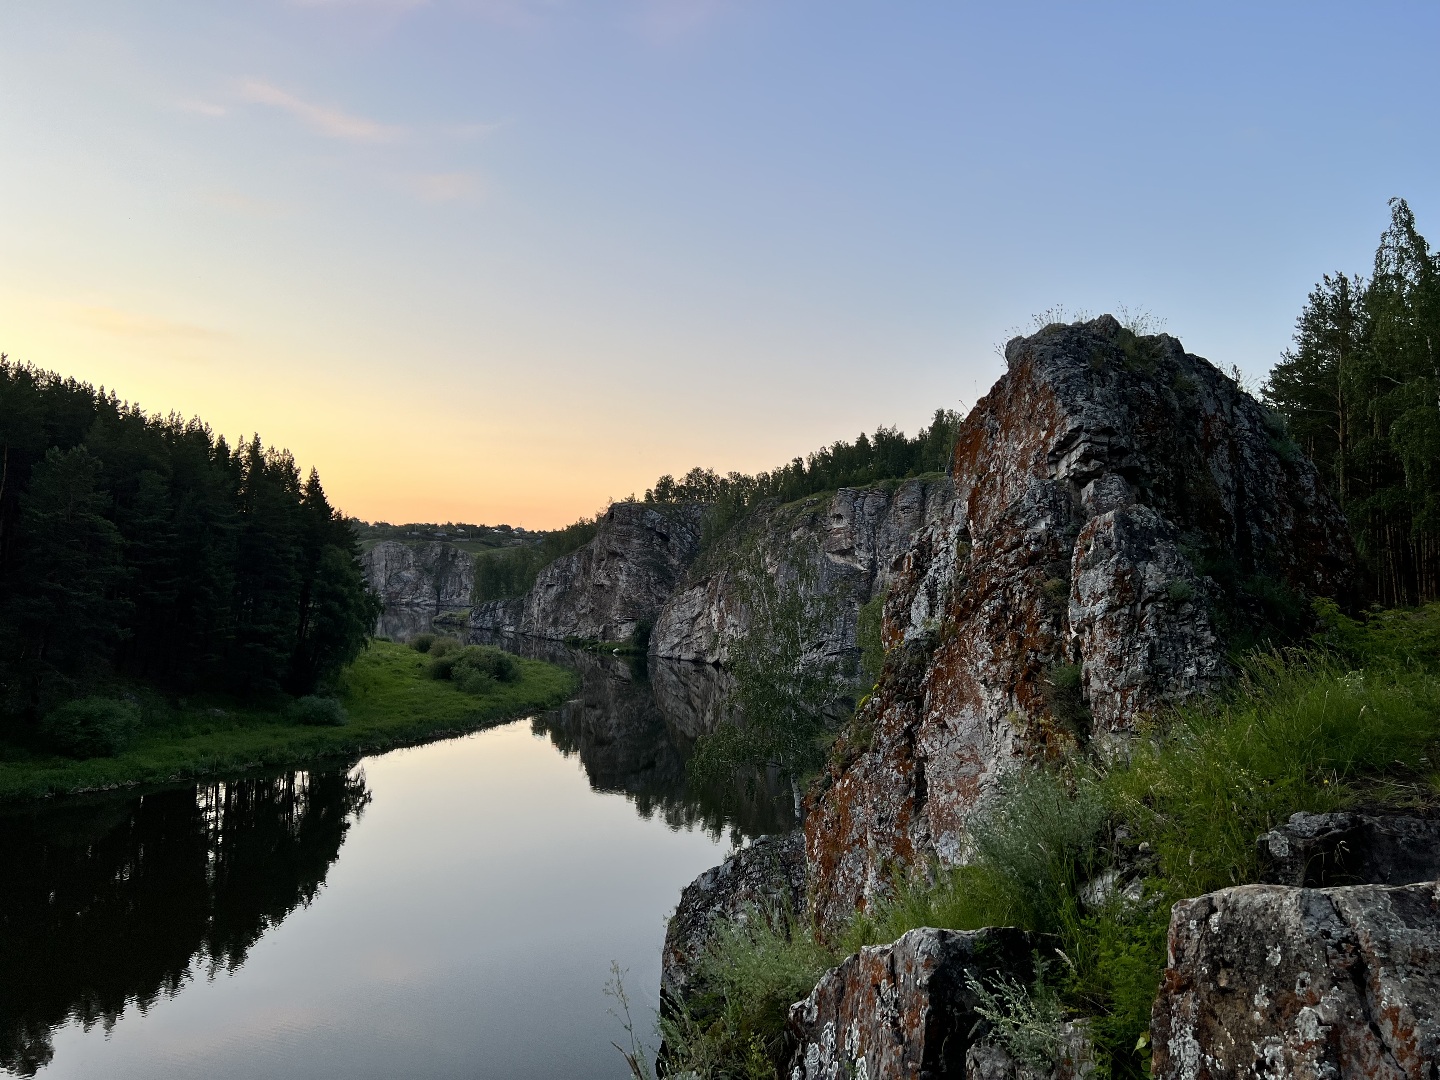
(1119, 504)
(1318, 850)
(610, 586)
(432, 577)
(849, 541)
(905, 1010)
(1269, 981)
(765, 880)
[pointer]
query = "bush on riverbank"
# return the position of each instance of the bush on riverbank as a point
(387, 693)
(1353, 720)
(91, 727)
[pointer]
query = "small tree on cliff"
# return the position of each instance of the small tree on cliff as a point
(788, 689)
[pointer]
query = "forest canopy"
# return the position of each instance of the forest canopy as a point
(1360, 391)
(146, 547)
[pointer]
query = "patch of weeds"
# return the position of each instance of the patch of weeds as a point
(1180, 591)
(1064, 693)
(1025, 1021)
(868, 638)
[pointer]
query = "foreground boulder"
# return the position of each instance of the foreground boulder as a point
(1273, 981)
(765, 880)
(613, 585)
(1318, 850)
(847, 543)
(1122, 508)
(906, 1010)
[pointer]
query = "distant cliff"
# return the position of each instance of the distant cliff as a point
(612, 586)
(429, 577)
(850, 539)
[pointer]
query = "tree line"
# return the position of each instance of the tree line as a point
(886, 455)
(1360, 391)
(147, 547)
(510, 572)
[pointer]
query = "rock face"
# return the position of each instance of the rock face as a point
(1273, 981)
(1119, 504)
(766, 880)
(904, 1009)
(1318, 850)
(431, 577)
(850, 541)
(617, 581)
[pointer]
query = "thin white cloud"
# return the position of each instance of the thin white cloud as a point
(326, 120)
(240, 203)
(665, 21)
(203, 108)
(467, 132)
(374, 5)
(445, 187)
(121, 323)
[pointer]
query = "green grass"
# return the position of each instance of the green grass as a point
(388, 694)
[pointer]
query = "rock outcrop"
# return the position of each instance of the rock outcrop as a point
(1121, 508)
(765, 880)
(1275, 981)
(1319, 850)
(612, 585)
(847, 542)
(906, 1009)
(430, 577)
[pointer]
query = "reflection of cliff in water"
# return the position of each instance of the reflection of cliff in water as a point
(634, 726)
(405, 623)
(110, 902)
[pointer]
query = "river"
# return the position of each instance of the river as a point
(445, 911)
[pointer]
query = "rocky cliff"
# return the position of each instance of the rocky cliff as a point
(612, 585)
(1122, 510)
(848, 543)
(431, 577)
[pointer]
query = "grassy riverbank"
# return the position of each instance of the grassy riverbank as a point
(390, 699)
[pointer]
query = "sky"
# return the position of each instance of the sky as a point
(506, 260)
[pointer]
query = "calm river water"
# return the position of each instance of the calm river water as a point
(445, 911)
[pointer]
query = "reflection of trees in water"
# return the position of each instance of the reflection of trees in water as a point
(634, 726)
(112, 902)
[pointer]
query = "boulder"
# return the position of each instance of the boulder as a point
(1276, 981)
(849, 541)
(903, 1010)
(1121, 508)
(611, 586)
(1318, 850)
(764, 880)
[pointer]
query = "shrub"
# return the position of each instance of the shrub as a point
(91, 727)
(316, 711)
(868, 638)
(421, 643)
(475, 668)
(754, 970)
(444, 646)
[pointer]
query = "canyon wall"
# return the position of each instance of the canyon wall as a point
(848, 542)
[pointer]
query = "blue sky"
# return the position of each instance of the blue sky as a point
(500, 260)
